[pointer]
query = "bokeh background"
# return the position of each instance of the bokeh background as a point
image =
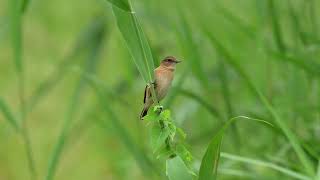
(276, 43)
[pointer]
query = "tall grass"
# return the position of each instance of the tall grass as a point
(229, 50)
(90, 65)
(16, 9)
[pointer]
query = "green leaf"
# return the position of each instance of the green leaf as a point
(177, 170)
(158, 137)
(122, 4)
(136, 42)
(4, 108)
(184, 154)
(209, 164)
(210, 160)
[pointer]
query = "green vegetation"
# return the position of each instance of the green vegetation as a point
(245, 102)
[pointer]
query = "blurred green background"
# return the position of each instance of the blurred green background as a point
(276, 43)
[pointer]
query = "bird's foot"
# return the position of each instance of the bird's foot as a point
(158, 109)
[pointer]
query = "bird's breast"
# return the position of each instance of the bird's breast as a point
(163, 82)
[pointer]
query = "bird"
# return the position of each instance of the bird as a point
(163, 77)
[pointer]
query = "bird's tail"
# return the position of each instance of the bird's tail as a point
(144, 112)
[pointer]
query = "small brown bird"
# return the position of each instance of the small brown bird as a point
(163, 78)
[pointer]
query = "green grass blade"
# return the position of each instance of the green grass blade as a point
(136, 42)
(86, 38)
(213, 111)
(144, 163)
(210, 160)
(90, 67)
(15, 28)
(16, 41)
(25, 4)
(228, 104)
(313, 17)
(4, 108)
(318, 171)
(122, 4)
(283, 126)
(177, 170)
(298, 34)
(309, 65)
(270, 165)
(276, 26)
(190, 50)
(235, 172)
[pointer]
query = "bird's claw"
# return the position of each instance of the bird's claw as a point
(159, 109)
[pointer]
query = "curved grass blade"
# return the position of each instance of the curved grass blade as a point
(4, 108)
(210, 160)
(283, 126)
(270, 165)
(177, 170)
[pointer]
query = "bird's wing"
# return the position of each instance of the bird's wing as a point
(147, 93)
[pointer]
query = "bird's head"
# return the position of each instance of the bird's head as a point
(169, 62)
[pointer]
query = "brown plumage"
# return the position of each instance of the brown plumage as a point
(163, 77)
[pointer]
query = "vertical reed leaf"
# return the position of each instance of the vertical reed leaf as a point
(16, 41)
(276, 26)
(136, 42)
(190, 50)
(15, 28)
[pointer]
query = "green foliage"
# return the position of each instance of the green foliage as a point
(255, 58)
(283, 126)
(167, 141)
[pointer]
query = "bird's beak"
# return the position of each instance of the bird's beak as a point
(177, 61)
